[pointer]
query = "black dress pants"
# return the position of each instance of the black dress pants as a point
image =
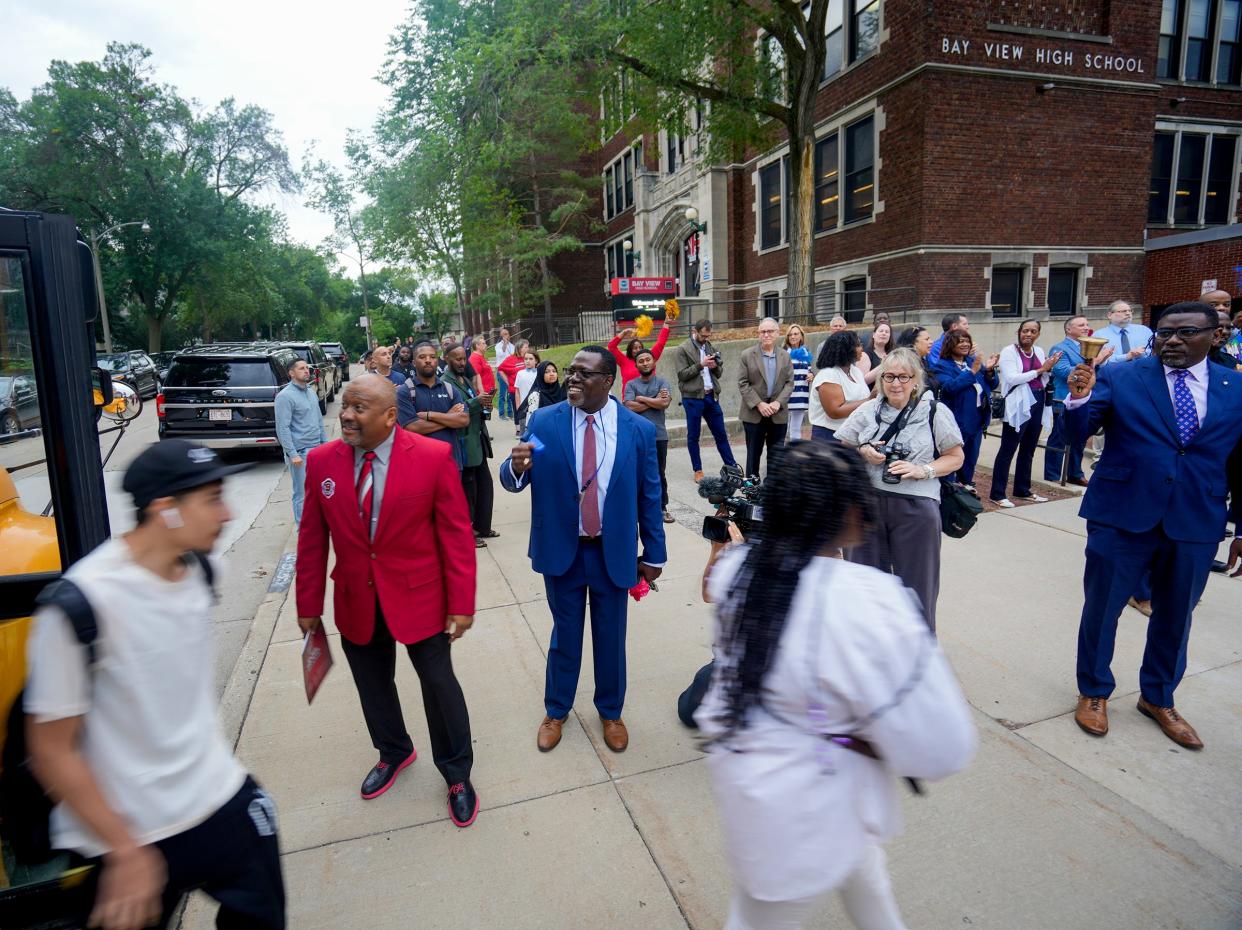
(765, 432)
(480, 495)
(374, 668)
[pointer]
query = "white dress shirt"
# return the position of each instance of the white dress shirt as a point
(605, 427)
(708, 385)
(379, 475)
(1197, 382)
(503, 351)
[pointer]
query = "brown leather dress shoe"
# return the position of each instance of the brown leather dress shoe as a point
(1172, 723)
(616, 737)
(1143, 607)
(1078, 482)
(1092, 714)
(549, 733)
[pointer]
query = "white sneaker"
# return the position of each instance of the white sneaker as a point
(1004, 502)
(969, 487)
(1034, 499)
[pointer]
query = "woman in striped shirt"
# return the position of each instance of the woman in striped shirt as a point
(800, 399)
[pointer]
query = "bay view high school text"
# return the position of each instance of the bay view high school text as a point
(1005, 158)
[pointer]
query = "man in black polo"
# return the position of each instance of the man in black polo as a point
(430, 406)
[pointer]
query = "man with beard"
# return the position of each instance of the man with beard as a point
(595, 485)
(476, 444)
(1157, 500)
(392, 504)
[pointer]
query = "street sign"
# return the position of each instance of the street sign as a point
(1208, 285)
(363, 322)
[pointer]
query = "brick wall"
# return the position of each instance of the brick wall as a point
(1176, 274)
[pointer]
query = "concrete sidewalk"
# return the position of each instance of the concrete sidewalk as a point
(1048, 828)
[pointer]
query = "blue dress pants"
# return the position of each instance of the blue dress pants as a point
(567, 597)
(1115, 561)
(1059, 444)
(706, 408)
(971, 442)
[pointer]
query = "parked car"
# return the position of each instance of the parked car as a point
(336, 352)
(19, 403)
(135, 368)
(162, 362)
(324, 374)
(224, 395)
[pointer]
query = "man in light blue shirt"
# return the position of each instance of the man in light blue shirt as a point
(299, 427)
(1058, 440)
(1127, 340)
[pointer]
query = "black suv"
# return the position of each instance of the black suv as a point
(336, 352)
(224, 395)
(134, 368)
(323, 371)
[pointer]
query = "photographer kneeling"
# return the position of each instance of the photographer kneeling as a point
(905, 461)
(826, 686)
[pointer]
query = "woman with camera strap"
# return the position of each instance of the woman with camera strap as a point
(906, 455)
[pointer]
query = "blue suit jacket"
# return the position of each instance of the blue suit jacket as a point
(1071, 356)
(957, 392)
(1145, 476)
(632, 507)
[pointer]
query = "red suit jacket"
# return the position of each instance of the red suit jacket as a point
(421, 564)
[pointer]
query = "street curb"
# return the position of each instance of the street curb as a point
(239, 690)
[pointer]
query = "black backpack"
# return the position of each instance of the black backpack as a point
(25, 810)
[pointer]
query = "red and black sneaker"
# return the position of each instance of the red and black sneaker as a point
(463, 803)
(380, 778)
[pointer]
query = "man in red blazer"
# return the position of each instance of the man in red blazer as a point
(393, 505)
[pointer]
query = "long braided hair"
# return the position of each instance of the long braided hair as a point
(810, 492)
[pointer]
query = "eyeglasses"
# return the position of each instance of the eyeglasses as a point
(901, 379)
(1184, 332)
(584, 373)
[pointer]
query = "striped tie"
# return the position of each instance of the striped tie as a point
(365, 492)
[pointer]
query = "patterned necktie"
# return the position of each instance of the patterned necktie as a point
(1184, 408)
(366, 496)
(1125, 341)
(590, 471)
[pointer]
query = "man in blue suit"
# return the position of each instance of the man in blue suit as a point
(1157, 500)
(595, 481)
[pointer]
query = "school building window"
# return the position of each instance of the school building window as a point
(619, 182)
(618, 262)
(1062, 291)
(1007, 292)
(1200, 41)
(1192, 179)
(771, 199)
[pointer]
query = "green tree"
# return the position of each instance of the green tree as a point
(105, 142)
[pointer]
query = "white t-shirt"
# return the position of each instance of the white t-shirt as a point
(151, 736)
(856, 389)
(854, 657)
(523, 381)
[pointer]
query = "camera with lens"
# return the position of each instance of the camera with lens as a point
(736, 498)
(894, 451)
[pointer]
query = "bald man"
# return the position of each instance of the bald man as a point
(392, 503)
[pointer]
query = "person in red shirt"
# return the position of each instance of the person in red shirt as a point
(625, 361)
(512, 365)
(478, 361)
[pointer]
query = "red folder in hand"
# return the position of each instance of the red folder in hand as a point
(316, 660)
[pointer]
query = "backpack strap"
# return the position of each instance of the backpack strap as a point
(931, 421)
(209, 571)
(68, 597)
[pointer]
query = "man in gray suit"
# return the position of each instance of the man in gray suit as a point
(765, 379)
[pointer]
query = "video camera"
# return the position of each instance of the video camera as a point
(737, 499)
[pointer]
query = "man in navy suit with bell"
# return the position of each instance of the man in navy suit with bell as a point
(595, 482)
(1157, 499)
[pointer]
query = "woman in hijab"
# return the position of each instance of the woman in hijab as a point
(547, 389)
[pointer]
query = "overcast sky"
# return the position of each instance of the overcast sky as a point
(312, 64)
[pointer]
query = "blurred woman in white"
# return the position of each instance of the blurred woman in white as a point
(827, 686)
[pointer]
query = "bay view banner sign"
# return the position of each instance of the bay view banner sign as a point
(1013, 53)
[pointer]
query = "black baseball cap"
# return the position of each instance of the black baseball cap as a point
(172, 466)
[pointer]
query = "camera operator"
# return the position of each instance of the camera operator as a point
(815, 704)
(894, 435)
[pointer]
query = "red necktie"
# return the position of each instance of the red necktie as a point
(365, 492)
(590, 471)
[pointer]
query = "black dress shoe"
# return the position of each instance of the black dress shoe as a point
(1218, 566)
(381, 778)
(463, 803)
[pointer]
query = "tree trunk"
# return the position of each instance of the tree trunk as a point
(207, 328)
(543, 259)
(799, 303)
(155, 332)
